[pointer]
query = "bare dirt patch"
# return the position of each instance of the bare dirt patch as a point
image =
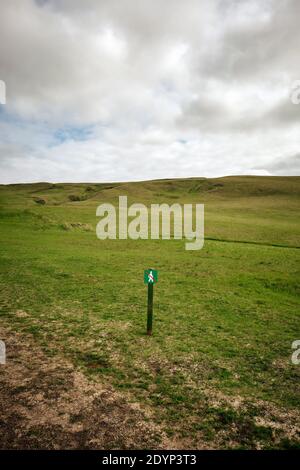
(45, 403)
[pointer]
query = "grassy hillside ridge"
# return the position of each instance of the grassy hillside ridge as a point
(217, 371)
(242, 208)
(229, 186)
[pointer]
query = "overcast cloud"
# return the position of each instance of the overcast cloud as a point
(114, 90)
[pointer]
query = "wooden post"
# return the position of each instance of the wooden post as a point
(150, 309)
(150, 278)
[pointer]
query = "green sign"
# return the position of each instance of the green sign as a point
(150, 276)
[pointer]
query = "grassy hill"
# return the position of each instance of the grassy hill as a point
(217, 371)
(244, 208)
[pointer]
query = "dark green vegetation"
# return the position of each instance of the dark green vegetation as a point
(218, 368)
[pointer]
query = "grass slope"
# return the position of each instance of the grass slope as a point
(217, 371)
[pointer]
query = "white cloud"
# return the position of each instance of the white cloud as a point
(135, 89)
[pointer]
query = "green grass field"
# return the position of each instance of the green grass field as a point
(217, 372)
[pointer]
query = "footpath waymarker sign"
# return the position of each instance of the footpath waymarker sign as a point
(150, 278)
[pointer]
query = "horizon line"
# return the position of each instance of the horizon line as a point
(151, 180)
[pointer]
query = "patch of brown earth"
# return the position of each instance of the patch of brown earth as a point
(45, 403)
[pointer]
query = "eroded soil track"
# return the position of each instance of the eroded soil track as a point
(46, 404)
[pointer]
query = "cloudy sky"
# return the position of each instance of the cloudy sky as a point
(116, 90)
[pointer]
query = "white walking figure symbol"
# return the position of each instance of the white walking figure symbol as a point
(150, 277)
